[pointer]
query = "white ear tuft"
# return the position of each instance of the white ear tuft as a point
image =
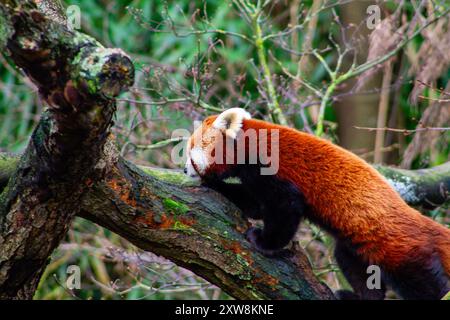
(231, 121)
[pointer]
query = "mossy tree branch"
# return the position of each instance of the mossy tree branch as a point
(426, 188)
(166, 213)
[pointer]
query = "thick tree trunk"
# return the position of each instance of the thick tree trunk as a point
(71, 167)
(77, 78)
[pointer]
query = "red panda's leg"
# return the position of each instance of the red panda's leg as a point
(280, 225)
(273, 238)
(355, 271)
(237, 193)
(423, 277)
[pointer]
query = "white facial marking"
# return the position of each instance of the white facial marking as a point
(189, 168)
(200, 159)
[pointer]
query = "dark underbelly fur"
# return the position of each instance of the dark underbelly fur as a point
(281, 205)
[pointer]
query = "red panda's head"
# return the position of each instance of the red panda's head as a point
(204, 142)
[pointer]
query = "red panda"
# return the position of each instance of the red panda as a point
(331, 187)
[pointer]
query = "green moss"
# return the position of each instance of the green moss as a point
(178, 225)
(81, 40)
(88, 66)
(254, 293)
(175, 207)
(92, 86)
(3, 195)
(170, 176)
(8, 163)
(5, 29)
(242, 260)
(89, 61)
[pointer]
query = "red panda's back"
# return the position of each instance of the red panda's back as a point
(346, 194)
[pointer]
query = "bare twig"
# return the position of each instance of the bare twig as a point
(404, 131)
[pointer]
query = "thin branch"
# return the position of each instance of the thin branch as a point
(273, 105)
(405, 131)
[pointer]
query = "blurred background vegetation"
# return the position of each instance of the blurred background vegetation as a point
(194, 58)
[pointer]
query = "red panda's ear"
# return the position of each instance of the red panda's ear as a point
(230, 121)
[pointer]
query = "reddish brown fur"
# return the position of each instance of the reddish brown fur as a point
(352, 198)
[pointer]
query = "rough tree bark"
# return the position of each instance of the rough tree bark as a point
(72, 167)
(77, 78)
(425, 188)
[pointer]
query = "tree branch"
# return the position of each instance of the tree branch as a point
(77, 78)
(427, 188)
(196, 228)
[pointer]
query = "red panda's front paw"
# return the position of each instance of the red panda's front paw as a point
(254, 235)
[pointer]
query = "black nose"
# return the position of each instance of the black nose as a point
(185, 170)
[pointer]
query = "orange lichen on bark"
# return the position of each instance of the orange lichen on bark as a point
(187, 221)
(166, 221)
(266, 279)
(122, 190)
(163, 220)
(236, 248)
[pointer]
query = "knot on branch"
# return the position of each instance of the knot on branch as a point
(74, 57)
(75, 74)
(103, 71)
